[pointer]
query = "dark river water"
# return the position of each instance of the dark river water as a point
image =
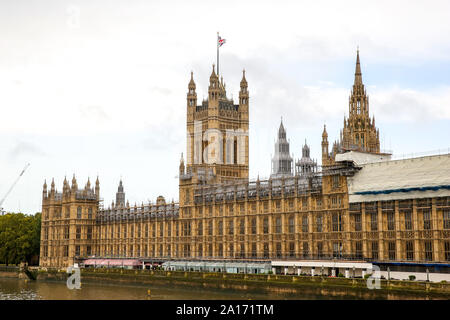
(18, 289)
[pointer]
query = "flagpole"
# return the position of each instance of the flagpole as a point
(217, 44)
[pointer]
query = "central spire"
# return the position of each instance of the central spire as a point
(358, 74)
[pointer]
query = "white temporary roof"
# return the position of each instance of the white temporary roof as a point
(362, 157)
(401, 179)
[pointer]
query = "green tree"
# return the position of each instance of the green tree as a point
(19, 237)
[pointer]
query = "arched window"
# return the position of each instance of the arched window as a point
(79, 213)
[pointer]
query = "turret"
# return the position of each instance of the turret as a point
(191, 95)
(97, 188)
(52, 188)
(74, 183)
(214, 86)
(324, 145)
(44, 190)
(181, 165)
(120, 195)
(243, 93)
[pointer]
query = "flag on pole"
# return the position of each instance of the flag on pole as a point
(220, 41)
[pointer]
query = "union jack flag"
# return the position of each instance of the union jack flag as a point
(220, 41)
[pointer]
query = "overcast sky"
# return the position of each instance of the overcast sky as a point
(99, 87)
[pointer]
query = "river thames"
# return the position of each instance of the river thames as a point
(18, 289)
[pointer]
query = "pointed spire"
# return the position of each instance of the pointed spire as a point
(243, 81)
(45, 185)
(324, 133)
(358, 74)
(281, 131)
(88, 184)
(192, 82)
(74, 183)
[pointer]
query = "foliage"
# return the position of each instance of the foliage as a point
(367, 275)
(412, 277)
(19, 237)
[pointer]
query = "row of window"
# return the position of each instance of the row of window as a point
(58, 213)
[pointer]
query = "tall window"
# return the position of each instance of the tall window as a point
(446, 217)
(253, 225)
(428, 251)
(77, 250)
(305, 250)
(210, 228)
(447, 250)
(278, 250)
(266, 250)
(337, 221)
(357, 218)
(336, 181)
(78, 233)
(242, 226)
(319, 249)
(291, 249)
(408, 220)
(374, 221)
(89, 233)
(266, 225)
(200, 228)
(254, 250)
(305, 223)
(427, 219)
(79, 213)
(391, 250)
(375, 250)
(231, 227)
(278, 225)
(358, 250)
(220, 228)
(391, 220)
(291, 225)
(319, 223)
(336, 250)
(409, 250)
(90, 213)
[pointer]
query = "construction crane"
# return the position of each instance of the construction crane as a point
(10, 189)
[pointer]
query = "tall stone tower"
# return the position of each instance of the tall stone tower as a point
(68, 218)
(120, 195)
(305, 166)
(359, 132)
(217, 133)
(217, 139)
(282, 160)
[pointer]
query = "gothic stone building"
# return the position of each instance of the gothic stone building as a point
(358, 205)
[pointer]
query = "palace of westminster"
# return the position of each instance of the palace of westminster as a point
(359, 205)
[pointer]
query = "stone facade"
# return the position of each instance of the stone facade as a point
(222, 214)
